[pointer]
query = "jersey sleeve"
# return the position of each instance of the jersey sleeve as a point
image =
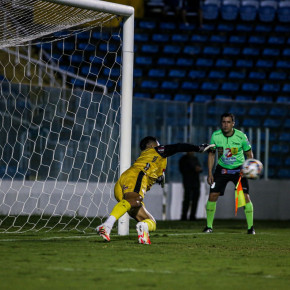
(169, 150)
(212, 141)
(246, 144)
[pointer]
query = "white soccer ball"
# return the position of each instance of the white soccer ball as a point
(252, 168)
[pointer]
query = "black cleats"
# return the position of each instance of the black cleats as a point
(207, 230)
(251, 231)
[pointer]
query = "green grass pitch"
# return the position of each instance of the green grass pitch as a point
(180, 257)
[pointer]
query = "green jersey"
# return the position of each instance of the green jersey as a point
(230, 149)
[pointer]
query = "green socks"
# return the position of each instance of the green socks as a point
(249, 212)
(210, 211)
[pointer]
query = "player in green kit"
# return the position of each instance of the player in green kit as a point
(231, 146)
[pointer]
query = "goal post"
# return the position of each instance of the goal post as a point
(49, 134)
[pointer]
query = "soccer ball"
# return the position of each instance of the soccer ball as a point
(252, 168)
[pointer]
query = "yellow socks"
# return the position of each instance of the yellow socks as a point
(151, 225)
(121, 208)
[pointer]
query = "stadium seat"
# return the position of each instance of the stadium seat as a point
(147, 24)
(141, 37)
(258, 111)
(237, 75)
(223, 98)
(181, 61)
(239, 39)
(251, 122)
(227, 27)
(242, 27)
(267, 11)
(205, 62)
(278, 148)
(263, 28)
(217, 74)
(264, 63)
(283, 99)
(284, 137)
(264, 99)
(199, 38)
(197, 74)
(211, 50)
(169, 85)
(287, 123)
(171, 49)
(271, 51)
(179, 38)
(98, 35)
(182, 97)
(273, 88)
(238, 110)
(167, 26)
(177, 73)
(218, 38)
(76, 58)
(65, 46)
(244, 63)
(244, 98)
(202, 98)
(210, 86)
(113, 72)
(148, 84)
(251, 87)
(248, 10)
(285, 64)
(229, 86)
(283, 11)
(142, 95)
(224, 63)
(160, 37)
(229, 50)
(138, 72)
(168, 61)
(258, 75)
(112, 47)
(286, 52)
(143, 60)
(156, 73)
(230, 9)
(187, 85)
(251, 51)
(86, 47)
(159, 96)
(277, 40)
(286, 88)
(150, 48)
(283, 173)
(191, 49)
(210, 9)
(278, 112)
(287, 161)
(272, 123)
(255, 39)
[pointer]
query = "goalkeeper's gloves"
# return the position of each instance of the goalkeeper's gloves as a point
(161, 180)
(204, 147)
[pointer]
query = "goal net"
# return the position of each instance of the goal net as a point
(65, 111)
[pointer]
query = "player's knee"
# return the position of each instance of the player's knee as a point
(134, 199)
(213, 196)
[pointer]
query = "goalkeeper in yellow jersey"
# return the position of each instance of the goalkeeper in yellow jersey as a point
(132, 185)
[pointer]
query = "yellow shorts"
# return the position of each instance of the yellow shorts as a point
(132, 180)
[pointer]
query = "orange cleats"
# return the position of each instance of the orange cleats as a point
(103, 232)
(143, 233)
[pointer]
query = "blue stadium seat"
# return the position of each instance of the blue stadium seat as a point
(210, 9)
(96, 60)
(286, 52)
(169, 85)
(210, 86)
(272, 123)
(217, 74)
(230, 86)
(112, 47)
(143, 60)
(250, 51)
(277, 148)
(171, 49)
(223, 98)
(285, 64)
(141, 37)
(148, 84)
(283, 11)
(199, 38)
(218, 38)
(187, 85)
(182, 97)
(101, 35)
(230, 9)
(278, 112)
(248, 10)
(267, 11)
(224, 62)
(286, 88)
(147, 24)
(156, 73)
(225, 27)
(271, 51)
(251, 87)
(264, 63)
(167, 26)
(208, 27)
(229, 50)
(277, 40)
(150, 48)
(86, 46)
(76, 58)
(238, 110)
(255, 39)
(160, 37)
(273, 88)
(237, 74)
(245, 63)
(191, 49)
(202, 98)
(138, 72)
(65, 46)
(181, 61)
(244, 27)
(113, 72)
(159, 96)
(287, 161)
(211, 50)
(258, 111)
(197, 74)
(205, 62)
(258, 75)
(264, 99)
(240, 39)
(284, 137)
(179, 38)
(250, 122)
(244, 98)
(177, 73)
(168, 61)
(263, 28)
(142, 95)
(283, 99)
(283, 173)
(287, 123)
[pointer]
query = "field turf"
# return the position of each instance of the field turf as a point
(180, 257)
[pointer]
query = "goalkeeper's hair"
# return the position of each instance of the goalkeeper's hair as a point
(146, 141)
(228, 115)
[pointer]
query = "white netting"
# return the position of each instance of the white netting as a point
(59, 115)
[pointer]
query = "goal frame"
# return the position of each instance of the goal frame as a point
(127, 80)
